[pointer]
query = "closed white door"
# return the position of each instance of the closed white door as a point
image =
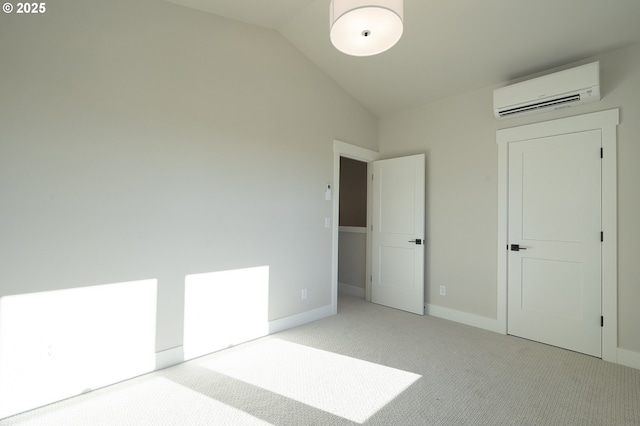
(554, 265)
(397, 263)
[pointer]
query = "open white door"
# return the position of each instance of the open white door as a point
(397, 264)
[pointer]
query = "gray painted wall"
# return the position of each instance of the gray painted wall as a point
(147, 140)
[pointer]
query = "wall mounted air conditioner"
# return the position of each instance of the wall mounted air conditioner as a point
(562, 89)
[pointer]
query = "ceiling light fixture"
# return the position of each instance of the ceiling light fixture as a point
(365, 27)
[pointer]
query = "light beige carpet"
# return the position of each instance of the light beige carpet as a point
(368, 365)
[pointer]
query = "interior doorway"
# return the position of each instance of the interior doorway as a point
(352, 227)
(392, 261)
(345, 150)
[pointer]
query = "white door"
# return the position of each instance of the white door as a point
(554, 261)
(397, 264)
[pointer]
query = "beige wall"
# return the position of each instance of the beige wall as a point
(147, 140)
(353, 213)
(353, 192)
(458, 137)
(352, 250)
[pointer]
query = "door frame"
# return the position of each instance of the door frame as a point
(606, 122)
(343, 149)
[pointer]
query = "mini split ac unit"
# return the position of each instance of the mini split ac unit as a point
(562, 89)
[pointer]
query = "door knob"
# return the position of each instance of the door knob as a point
(418, 241)
(516, 247)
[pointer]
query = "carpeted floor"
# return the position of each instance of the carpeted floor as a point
(368, 365)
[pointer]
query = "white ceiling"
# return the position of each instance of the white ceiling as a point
(448, 47)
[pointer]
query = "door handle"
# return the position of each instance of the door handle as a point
(516, 247)
(418, 241)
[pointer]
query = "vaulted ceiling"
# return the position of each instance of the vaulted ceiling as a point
(448, 47)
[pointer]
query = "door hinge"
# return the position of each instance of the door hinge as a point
(371, 177)
(601, 152)
(601, 236)
(601, 321)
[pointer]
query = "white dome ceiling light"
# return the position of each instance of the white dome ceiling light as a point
(365, 28)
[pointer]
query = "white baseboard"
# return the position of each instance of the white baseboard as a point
(297, 320)
(169, 357)
(624, 356)
(174, 356)
(351, 290)
(629, 358)
(464, 318)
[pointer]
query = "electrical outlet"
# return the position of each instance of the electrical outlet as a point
(303, 294)
(443, 290)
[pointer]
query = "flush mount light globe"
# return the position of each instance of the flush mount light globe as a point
(365, 28)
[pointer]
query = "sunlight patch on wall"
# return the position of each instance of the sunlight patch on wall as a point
(225, 308)
(340, 385)
(58, 344)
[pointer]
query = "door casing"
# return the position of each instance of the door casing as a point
(607, 122)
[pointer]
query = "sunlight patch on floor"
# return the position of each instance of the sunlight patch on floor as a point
(147, 401)
(340, 385)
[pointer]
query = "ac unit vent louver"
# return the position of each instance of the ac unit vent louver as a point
(538, 105)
